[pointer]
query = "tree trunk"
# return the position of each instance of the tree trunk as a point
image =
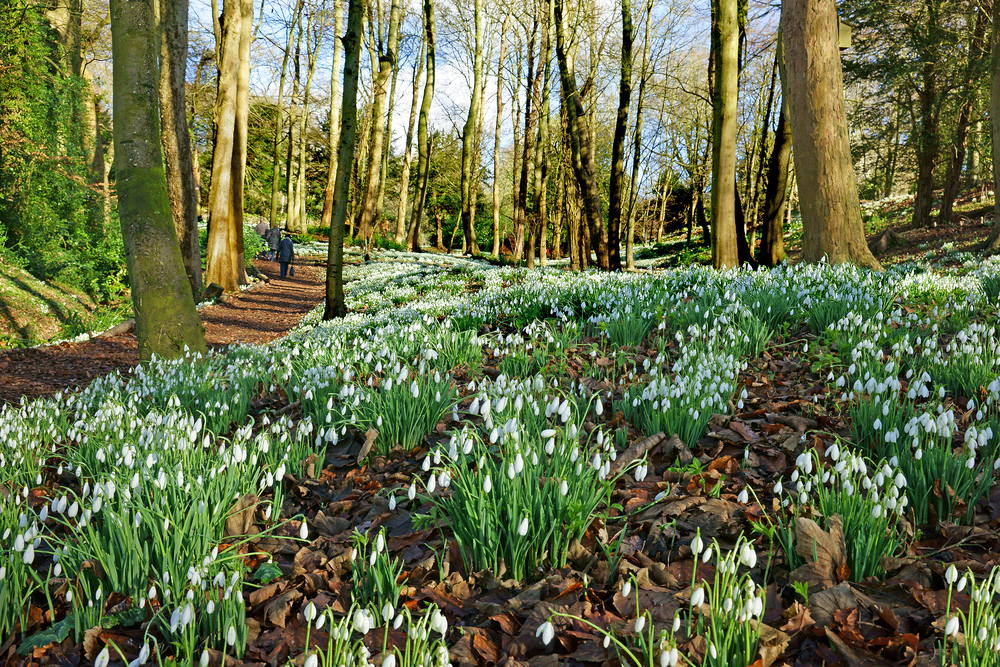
(386, 64)
(725, 47)
(540, 174)
(972, 168)
(468, 135)
(970, 99)
(335, 101)
(581, 147)
(831, 213)
(993, 242)
(496, 135)
(423, 136)
(176, 138)
(280, 111)
(928, 146)
(615, 205)
(291, 158)
(772, 240)
(224, 265)
(404, 179)
(528, 157)
(386, 147)
(335, 306)
(167, 323)
(312, 55)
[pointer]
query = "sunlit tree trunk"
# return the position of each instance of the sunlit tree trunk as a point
(539, 203)
(335, 101)
(496, 135)
(386, 146)
(831, 213)
(423, 135)
(725, 47)
(993, 242)
(312, 56)
(404, 178)
(280, 112)
(386, 64)
(335, 306)
(224, 262)
(166, 320)
(469, 151)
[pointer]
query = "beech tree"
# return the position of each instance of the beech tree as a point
(404, 178)
(166, 321)
(469, 172)
(831, 213)
(725, 47)
(225, 264)
(992, 243)
(423, 133)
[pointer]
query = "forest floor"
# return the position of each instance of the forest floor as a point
(259, 315)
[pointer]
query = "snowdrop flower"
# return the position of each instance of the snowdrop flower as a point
(640, 623)
(522, 529)
(204, 658)
(487, 484)
(951, 574)
(231, 636)
(313, 661)
(697, 544)
(310, 612)
(951, 629)
(546, 632)
(627, 588)
(698, 597)
(103, 658)
(388, 612)
(743, 497)
(304, 531)
(778, 488)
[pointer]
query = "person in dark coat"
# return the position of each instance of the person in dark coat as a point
(273, 237)
(286, 253)
(262, 228)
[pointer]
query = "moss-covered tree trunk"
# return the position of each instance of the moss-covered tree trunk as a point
(468, 135)
(993, 242)
(280, 110)
(165, 315)
(335, 101)
(615, 198)
(335, 306)
(831, 213)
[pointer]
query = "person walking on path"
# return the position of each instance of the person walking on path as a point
(273, 237)
(286, 253)
(262, 228)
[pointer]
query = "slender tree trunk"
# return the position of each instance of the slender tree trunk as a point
(970, 99)
(468, 135)
(972, 168)
(335, 102)
(615, 205)
(423, 135)
(386, 147)
(540, 173)
(167, 323)
(241, 134)
(542, 184)
(335, 306)
(762, 159)
(404, 179)
(515, 123)
(725, 46)
(772, 241)
(831, 214)
(581, 147)
(176, 138)
(528, 159)
(386, 64)
(312, 56)
(291, 159)
(496, 135)
(993, 242)
(559, 213)
(280, 111)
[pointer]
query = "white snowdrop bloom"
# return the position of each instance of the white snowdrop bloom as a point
(204, 658)
(522, 529)
(778, 488)
(563, 488)
(231, 635)
(411, 493)
(743, 497)
(640, 624)
(627, 588)
(952, 627)
(304, 531)
(951, 574)
(698, 597)
(546, 632)
(103, 658)
(697, 545)
(487, 484)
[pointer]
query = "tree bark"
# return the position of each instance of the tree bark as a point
(528, 157)
(725, 46)
(993, 242)
(386, 64)
(831, 213)
(496, 135)
(335, 306)
(581, 147)
(468, 136)
(970, 99)
(167, 323)
(336, 98)
(312, 56)
(176, 138)
(615, 205)
(404, 179)
(280, 112)
(224, 264)
(423, 136)
(539, 204)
